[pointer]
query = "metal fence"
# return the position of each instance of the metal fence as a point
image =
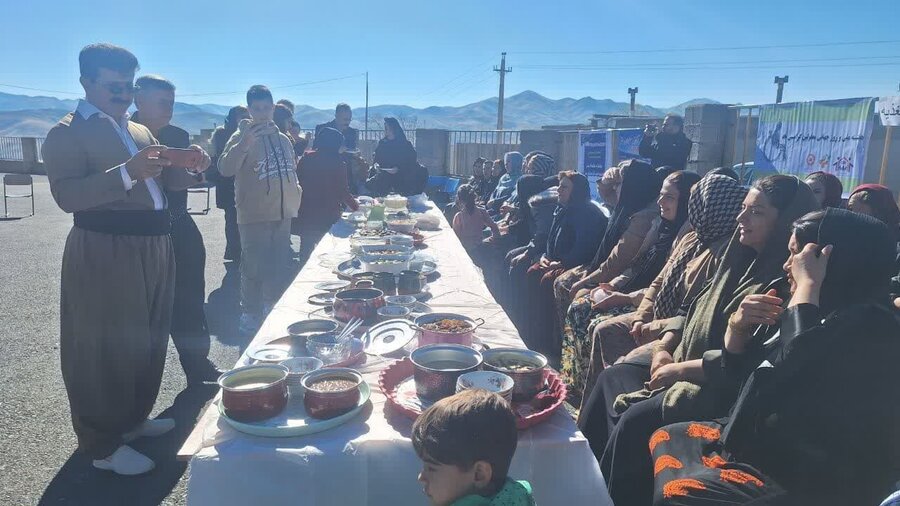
(11, 148)
(467, 145)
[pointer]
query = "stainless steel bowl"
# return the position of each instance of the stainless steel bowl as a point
(438, 366)
(528, 382)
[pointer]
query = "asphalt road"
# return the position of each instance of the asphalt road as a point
(38, 463)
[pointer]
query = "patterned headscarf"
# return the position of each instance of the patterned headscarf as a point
(542, 165)
(712, 211)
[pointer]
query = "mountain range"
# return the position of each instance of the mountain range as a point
(22, 115)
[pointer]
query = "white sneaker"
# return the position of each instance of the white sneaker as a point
(150, 428)
(126, 461)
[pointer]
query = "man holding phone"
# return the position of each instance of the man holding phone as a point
(117, 282)
(155, 102)
(267, 196)
(669, 147)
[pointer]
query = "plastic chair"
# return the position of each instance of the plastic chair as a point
(451, 186)
(18, 180)
(200, 188)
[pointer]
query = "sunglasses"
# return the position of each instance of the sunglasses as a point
(118, 88)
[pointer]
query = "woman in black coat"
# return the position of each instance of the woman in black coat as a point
(397, 170)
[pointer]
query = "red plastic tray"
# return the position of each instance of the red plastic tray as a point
(543, 405)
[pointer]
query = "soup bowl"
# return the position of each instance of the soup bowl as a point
(255, 392)
(438, 366)
(331, 392)
(527, 369)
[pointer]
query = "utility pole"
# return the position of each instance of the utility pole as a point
(780, 81)
(503, 71)
(367, 100)
(632, 92)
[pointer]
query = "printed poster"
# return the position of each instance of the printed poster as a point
(593, 155)
(803, 137)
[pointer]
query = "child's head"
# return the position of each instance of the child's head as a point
(465, 198)
(466, 443)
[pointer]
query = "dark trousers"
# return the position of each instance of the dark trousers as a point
(626, 463)
(189, 331)
(597, 418)
(232, 235)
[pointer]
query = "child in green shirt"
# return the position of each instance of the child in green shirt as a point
(466, 443)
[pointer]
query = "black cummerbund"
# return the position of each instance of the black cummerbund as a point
(124, 222)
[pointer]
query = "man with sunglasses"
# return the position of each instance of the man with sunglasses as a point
(118, 272)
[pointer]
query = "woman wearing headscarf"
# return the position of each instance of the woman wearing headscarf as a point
(572, 239)
(512, 163)
(587, 310)
(322, 173)
(827, 188)
(713, 207)
(398, 170)
(493, 171)
(631, 230)
(817, 422)
(878, 202)
(632, 399)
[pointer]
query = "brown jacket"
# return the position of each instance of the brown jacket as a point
(640, 234)
(82, 159)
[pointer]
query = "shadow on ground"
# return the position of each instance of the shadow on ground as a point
(79, 483)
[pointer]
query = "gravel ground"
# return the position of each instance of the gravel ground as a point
(38, 463)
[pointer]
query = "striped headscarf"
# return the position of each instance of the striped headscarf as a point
(712, 211)
(542, 165)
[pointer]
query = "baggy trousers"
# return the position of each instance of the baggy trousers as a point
(115, 313)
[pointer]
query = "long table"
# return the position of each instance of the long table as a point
(370, 460)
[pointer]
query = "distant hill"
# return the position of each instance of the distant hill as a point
(22, 115)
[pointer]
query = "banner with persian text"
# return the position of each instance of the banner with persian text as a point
(594, 155)
(803, 137)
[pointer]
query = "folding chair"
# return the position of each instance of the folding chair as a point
(200, 188)
(18, 180)
(435, 185)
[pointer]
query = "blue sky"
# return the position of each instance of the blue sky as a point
(428, 52)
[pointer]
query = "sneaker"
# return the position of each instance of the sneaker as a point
(249, 324)
(150, 428)
(204, 372)
(126, 461)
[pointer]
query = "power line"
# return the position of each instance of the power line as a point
(699, 49)
(668, 64)
(40, 89)
(466, 72)
(274, 87)
(761, 67)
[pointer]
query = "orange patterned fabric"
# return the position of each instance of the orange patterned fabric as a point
(740, 477)
(665, 462)
(658, 437)
(682, 487)
(703, 431)
(715, 462)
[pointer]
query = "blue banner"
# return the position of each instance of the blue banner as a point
(628, 143)
(593, 155)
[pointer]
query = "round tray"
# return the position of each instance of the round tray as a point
(348, 268)
(397, 385)
(294, 421)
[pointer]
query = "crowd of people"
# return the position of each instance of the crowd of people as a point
(721, 344)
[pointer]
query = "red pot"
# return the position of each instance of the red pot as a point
(427, 337)
(358, 303)
(255, 392)
(329, 404)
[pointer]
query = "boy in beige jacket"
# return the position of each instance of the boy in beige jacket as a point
(267, 196)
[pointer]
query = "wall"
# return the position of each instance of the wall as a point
(548, 141)
(433, 149)
(465, 154)
(706, 126)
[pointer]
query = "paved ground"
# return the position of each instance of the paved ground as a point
(37, 460)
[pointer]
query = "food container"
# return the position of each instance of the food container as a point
(386, 282)
(331, 392)
(402, 240)
(527, 369)
(326, 348)
(411, 282)
(393, 312)
(304, 328)
(254, 392)
(394, 202)
(429, 336)
(401, 300)
(357, 243)
(437, 367)
(269, 354)
(393, 266)
(297, 368)
(358, 303)
(386, 251)
(402, 225)
(361, 280)
(492, 381)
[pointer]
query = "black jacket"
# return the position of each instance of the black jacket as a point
(575, 234)
(172, 137)
(664, 149)
(351, 135)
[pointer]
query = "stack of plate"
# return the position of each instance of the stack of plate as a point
(297, 369)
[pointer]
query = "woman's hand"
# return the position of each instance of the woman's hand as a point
(808, 267)
(756, 309)
(660, 358)
(614, 299)
(665, 376)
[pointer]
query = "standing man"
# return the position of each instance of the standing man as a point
(670, 147)
(118, 272)
(350, 147)
(155, 101)
(225, 185)
(262, 161)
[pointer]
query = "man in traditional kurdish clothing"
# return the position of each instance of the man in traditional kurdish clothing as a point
(155, 102)
(118, 272)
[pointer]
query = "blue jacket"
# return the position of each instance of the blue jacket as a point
(575, 234)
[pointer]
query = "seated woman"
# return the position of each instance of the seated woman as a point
(713, 207)
(397, 169)
(322, 174)
(573, 237)
(878, 202)
(635, 397)
(608, 188)
(632, 229)
(827, 188)
(470, 221)
(624, 292)
(817, 422)
(512, 163)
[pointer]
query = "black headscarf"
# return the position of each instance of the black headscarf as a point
(834, 189)
(328, 140)
(399, 134)
(651, 262)
(640, 185)
(581, 190)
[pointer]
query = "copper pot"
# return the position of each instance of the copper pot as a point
(331, 403)
(427, 337)
(358, 303)
(254, 392)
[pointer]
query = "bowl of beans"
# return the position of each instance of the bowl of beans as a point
(331, 392)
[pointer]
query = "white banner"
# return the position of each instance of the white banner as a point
(888, 109)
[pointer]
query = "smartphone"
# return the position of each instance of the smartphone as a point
(186, 158)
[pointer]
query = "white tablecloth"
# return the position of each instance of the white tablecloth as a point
(370, 460)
